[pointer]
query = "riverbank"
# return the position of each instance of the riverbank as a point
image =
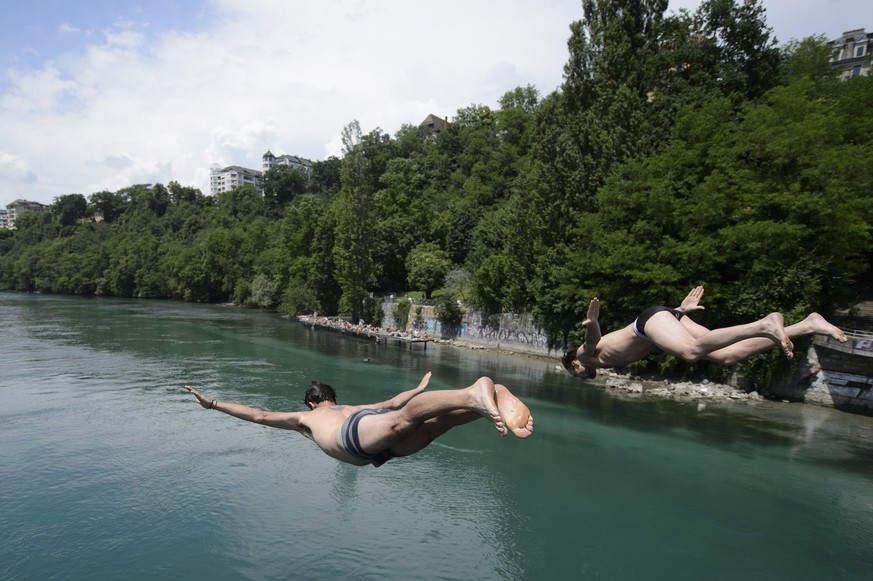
(808, 382)
(629, 384)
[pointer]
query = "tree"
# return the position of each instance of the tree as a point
(326, 176)
(110, 206)
(744, 53)
(354, 267)
(768, 208)
(69, 209)
(243, 203)
(282, 184)
(809, 57)
(457, 281)
(427, 265)
(180, 194)
(298, 298)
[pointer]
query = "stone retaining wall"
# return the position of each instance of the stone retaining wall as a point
(508, 332)
(830, 378)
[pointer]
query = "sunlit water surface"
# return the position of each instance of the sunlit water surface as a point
(109, 471)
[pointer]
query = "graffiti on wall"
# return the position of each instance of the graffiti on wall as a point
(504, 329)
(864, 345)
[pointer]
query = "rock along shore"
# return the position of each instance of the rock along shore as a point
(632, 385)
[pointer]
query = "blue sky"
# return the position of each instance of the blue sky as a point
(102, 94)
(35, 33)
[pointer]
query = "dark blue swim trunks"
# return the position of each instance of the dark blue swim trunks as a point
(640, 323)
(351, 442)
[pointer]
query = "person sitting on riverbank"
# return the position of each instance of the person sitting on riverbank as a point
(366, 329)
(672, 331)
(400, 426)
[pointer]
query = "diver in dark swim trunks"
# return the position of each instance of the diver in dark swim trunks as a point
(400, 426)
(350, 439)
(640, 322)
(671, 330)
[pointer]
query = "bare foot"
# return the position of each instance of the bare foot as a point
(818, 325)
(515, 414)
(775, 324)
(484, 401)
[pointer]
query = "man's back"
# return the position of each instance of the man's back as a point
(322, 425)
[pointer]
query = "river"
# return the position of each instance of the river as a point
(110, 471)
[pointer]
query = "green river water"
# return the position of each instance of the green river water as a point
(109, 471)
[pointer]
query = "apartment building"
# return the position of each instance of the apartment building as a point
(299, 163)
(224, 179)
(852, 53)
(232, 177)
(19, 207)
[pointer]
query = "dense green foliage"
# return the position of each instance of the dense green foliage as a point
(680, 150)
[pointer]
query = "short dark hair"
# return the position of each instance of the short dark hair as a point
(319, 392)
(568, 358)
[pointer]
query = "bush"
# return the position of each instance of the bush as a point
(242, 292)
(449, 313)
(263, 292)
(373, 311)
(298, 300)
(400, 312)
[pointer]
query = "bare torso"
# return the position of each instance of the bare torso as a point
(322, 426)
(617, 349)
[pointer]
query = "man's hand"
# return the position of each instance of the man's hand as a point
(692, 300)
(593, 312)
(204, 401)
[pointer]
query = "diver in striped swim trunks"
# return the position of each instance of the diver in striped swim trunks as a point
(400, 426)
(672, 331)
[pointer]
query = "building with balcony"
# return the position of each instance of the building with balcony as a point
(19, 207)
(852, 52)
(232, 177)
(293, 161)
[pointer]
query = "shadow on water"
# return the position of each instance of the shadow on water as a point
(855, 459)
(795, 430)
(723, 425)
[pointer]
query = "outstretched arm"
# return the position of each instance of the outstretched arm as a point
(284, 420)
(592, 333)
(401, 399)
(691, 302)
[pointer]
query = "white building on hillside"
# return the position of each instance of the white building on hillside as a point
(302, 164)
(232, 177)
(19, 207)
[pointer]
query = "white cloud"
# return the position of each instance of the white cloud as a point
(14, 168)
(287, 76)
(68, 28)
(144, 102)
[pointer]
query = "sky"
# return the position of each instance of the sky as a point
(103, 94)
